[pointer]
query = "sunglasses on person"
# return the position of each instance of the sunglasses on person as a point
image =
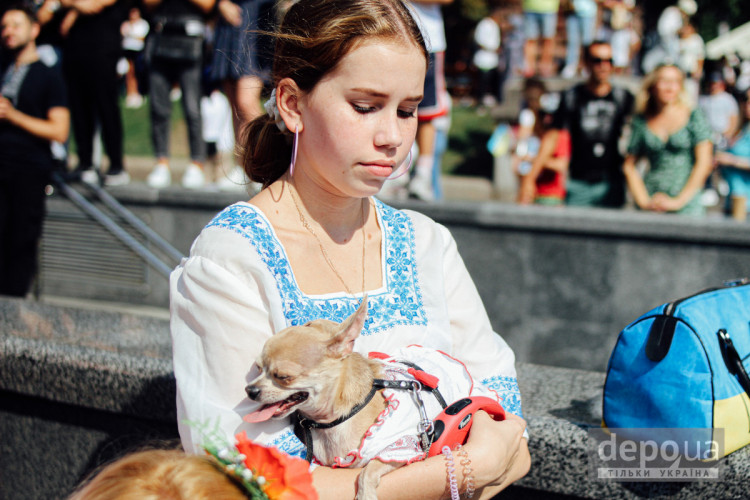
(600, 60)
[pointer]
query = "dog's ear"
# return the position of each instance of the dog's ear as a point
(342, 343)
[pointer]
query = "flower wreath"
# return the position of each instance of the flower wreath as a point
(264, 472)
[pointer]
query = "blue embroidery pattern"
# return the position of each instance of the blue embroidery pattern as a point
(290, 444)
(399, 304)
(506, 388)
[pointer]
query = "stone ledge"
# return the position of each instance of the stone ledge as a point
(568, 220)
(105, 363)
(94, 359)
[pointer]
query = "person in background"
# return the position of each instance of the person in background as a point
(595, 113)
(734, 163)
(668, 26)
(534, 120)
(721, 110)
(33, 112)
(540, 23)
(580, 26)
(92, 48)
(723, 114)
(617, 28)
(429, 16)
(241, 63)
(487, 37)
(134, 32)
(691, 59)
(175, 54)
(675, 138)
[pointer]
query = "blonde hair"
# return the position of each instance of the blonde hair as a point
(313, 38)
(160, 475)
(645, 101)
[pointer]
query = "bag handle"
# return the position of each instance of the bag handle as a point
(732, 360)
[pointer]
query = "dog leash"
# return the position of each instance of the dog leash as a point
(305, 425)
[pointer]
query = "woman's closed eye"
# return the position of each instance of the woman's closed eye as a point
(363, 109)
(402, 113)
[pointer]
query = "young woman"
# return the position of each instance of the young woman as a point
(313, 240)
(676, 141)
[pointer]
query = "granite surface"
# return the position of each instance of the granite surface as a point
(560, 405)
(96, 359)
(79, 387)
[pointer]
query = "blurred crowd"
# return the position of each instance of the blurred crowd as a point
(206, 54)
(677, 145)
(209, 56)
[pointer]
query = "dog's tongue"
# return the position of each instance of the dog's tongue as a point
(263, 414)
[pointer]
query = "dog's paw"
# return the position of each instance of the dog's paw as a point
(369, 478)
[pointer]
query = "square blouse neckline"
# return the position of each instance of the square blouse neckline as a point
(383, 278)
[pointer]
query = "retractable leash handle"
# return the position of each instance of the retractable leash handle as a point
(452, 426)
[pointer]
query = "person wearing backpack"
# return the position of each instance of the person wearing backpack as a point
(594, 113)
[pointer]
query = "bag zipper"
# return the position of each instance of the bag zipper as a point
(671, 306)
(662, 329)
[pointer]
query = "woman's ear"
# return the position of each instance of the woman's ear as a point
(287, 99)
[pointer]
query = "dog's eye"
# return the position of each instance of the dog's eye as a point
(282, 378)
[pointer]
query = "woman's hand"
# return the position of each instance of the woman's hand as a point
(662, 202)
(526, 190)
(498, 451)
(231, 12)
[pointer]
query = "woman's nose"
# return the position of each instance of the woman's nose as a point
(389, 133)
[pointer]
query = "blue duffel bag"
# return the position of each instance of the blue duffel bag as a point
(683, 365)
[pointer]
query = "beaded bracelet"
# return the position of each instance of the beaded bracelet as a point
(469, 486)
(450, 466)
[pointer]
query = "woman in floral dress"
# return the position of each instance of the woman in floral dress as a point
(675, 139)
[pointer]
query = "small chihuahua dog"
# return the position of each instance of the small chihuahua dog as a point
(312, 369)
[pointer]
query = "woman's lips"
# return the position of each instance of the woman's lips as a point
(379, 169)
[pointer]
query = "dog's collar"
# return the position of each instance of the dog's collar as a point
(307, 425)
(377, 384)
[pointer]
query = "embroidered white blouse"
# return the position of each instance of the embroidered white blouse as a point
(237, 288)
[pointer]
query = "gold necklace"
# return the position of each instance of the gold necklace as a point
(328, 260)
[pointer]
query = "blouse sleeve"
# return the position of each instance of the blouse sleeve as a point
(700, 130)
(487, 356)
(220, 319)
(637, 137)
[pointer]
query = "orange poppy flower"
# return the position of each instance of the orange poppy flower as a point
(286, 477)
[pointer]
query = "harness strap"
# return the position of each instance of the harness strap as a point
(426, 382)
(304, 426)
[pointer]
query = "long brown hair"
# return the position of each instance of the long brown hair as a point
(313, 38)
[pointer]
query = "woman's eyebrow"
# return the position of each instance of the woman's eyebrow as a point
(376, 93)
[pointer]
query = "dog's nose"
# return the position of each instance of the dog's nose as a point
(252, 392)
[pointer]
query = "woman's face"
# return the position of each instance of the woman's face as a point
(668, 85)
(360, 120)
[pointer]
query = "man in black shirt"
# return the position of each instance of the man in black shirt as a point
(595, 113)
(33, 113)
